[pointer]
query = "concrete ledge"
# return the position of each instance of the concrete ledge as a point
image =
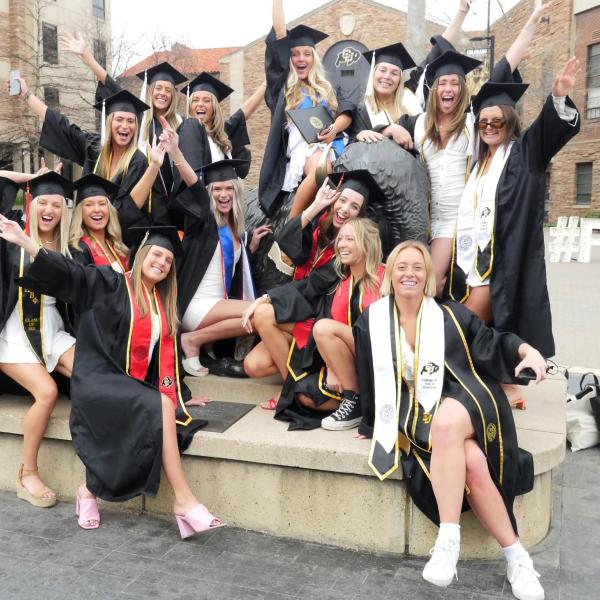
(312, 485)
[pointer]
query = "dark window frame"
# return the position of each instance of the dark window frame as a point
(583, 183)
(100, 52)
(592, 82)
(50, 43)
(99, 9)
(51, 96)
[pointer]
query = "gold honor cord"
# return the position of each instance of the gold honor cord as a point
(289, 365)
(326, 392)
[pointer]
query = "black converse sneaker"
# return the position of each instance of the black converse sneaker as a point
(347, 416)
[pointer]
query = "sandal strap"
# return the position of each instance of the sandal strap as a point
(25, 472)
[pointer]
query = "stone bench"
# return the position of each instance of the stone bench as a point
(310, 485)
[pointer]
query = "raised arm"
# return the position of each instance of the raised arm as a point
(142, 188)
(516, 52)
(170, 142)
(279, 19)
(251, 104)
(36, 105)
(452, 32)
(76, 45)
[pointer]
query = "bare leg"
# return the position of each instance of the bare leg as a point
(450, 428)
(336, 346)
(441, 255)
(307, 189)
(36, 380)
(484, 498)
(275, 336)
(310, 403)
(480, 302)
(65, 363)
(259, 363)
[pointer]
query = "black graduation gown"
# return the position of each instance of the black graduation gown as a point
(494, 357)
(200, 239)
(272, 170)
(116, 420)
(520, 301)
(297, 242)
(68, 141)
(158, 203)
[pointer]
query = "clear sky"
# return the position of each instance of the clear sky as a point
(219, 23)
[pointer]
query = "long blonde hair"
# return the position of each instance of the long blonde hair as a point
(63, 227)
(457, 123)
(216, 128)
(103, 164)
(170, 114)
(367, 237)
(317, 86)
(167, 289)
(113, 230)
(398, 109)
(236, 216)
(430, 287)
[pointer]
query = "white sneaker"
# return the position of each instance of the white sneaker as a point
(523, 578)
(441, 568)
(193, 367)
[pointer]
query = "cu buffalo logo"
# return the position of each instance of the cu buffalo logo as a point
(485, 212)
(166, 382)
(429, 369)
(347, 57)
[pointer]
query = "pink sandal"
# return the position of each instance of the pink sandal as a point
(270, 404)
(86, 510)
(197, 520)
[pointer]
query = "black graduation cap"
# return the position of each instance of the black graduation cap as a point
(91, 185)
(450, 63)
(360, 181)
(48, 183)
(124, 101)
(205, 82)
(302, 35)
(395, 54)
(162, 72)
(498, 94)
(165, 236)
(222, 170)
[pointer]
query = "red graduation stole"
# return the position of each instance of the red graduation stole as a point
(138, 345)
(341, 307)
(99, 257)
(302, 329)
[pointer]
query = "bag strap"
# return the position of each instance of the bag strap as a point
(596, 383)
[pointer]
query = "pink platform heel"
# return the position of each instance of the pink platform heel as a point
(197, 520)
(86, 510)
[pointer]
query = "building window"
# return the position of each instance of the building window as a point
(593, 82)
(51, 97)
(100, 52)
(6, 157)
(50, 43)
(584, 183)
(98, 8)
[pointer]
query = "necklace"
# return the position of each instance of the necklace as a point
(50, 241)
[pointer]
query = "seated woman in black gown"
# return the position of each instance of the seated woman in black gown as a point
(450, 417)
(35, 329)
(128, 417)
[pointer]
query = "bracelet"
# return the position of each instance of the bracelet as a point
(26, 96)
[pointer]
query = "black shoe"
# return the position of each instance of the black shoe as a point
(227, 367)
(347, 416)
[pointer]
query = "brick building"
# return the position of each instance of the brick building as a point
(29, 41)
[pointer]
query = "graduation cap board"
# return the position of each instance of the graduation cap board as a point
(395, 54)
(123, 101)
(302, 35)
(450, 63)
(165, 236)
(498, 94)
(48, 183)
(205, 82)
(360, 181)
(310, 121)
(162, 72)
(222, 170)
(92, 185)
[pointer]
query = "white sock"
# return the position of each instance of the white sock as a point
(512, 552)
(449, 531)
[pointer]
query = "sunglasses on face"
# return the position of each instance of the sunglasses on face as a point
(494, 124)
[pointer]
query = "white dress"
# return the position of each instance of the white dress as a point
(209, 292)
(447, 168)
(15, 347)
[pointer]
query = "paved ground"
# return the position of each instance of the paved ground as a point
(44, 555)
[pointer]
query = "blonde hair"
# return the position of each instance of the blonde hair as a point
(236, 216)
(63, 226)
(216, 128)
(167, 289)
(367, 237)
(457, 122)
(103, 164)
(317, 86)
(430, 287)
(112, 233)
(398, 108)
(170, 114)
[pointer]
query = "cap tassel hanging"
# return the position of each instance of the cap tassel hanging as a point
(187, 101)
(369, 90)
(143, 144)
(420, 93)
(473, 148)
(103, 124)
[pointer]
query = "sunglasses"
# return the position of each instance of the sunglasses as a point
(494, 124)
